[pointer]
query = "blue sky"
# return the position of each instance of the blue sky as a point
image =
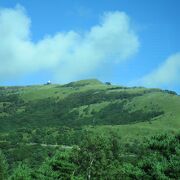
(142, 50)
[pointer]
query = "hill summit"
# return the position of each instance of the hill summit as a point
(87, 102)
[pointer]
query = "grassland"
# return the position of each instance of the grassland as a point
(137, 99)
(36, 121)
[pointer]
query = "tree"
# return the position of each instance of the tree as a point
(97, 158)
(58, 167)
(3, 167)
(22, 172)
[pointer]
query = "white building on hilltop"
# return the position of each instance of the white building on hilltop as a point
(48, 82)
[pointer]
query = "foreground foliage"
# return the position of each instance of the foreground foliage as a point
(106, 157)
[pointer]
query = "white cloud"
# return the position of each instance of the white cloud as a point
(69, 55)
(166, 75)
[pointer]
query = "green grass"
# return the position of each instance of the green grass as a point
(169, 122)
(145, 100)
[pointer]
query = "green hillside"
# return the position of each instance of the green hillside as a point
(37, 121)
(88, 102)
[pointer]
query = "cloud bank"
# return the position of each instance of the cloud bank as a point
(69, 55)
(166, 75)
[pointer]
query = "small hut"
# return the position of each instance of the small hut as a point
(48, 83)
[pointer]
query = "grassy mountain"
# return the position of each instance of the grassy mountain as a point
(89, 102)
(42, 123)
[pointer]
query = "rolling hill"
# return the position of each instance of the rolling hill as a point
(89, 102)
(62, 126)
